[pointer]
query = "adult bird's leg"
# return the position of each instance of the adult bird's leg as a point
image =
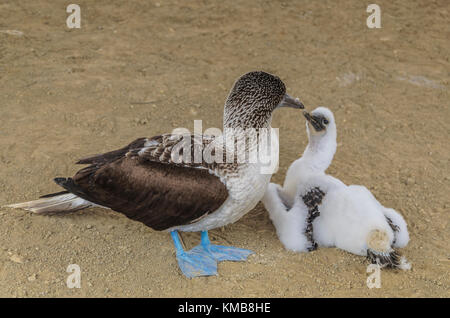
(195, 262)
(222, 253)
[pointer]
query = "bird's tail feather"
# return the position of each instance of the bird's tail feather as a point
(57, 203)
(380, 252)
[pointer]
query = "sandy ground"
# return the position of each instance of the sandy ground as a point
(140, 68)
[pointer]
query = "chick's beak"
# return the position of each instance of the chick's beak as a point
(313, 121)
(289, 101)
(307, 116)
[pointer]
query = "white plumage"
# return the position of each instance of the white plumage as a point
(246, 186)
(64, 202)
(350, 217)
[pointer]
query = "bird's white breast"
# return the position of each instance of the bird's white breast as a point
(245, 190)
(246, 187)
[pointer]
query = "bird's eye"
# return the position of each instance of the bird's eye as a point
(325, 121)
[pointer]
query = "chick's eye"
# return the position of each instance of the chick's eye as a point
(325, 121)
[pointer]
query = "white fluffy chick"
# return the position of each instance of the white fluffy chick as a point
(315, 209)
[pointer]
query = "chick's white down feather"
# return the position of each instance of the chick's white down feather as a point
(349, 215)
(290, 226)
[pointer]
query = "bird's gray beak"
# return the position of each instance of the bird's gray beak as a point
(307, 116)
(317, 124)
(288, 101)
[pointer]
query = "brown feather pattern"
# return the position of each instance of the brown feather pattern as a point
(390, 259)
(147, 186)
(312, 200)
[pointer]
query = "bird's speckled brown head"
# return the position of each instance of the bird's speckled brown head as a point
(253, 98)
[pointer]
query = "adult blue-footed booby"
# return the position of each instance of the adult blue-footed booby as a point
(144, 181)
(313, 208)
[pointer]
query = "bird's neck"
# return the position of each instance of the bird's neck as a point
(249, 128)
(252, 143)
(319, 153)
(242, 118)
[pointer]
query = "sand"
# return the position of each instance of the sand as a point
(141, 68)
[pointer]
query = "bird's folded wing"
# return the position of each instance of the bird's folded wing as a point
(147, 183)
(113, 155)
(183, 150)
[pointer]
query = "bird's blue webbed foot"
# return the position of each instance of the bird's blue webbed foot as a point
(223, 253)
(229, 253)
(195, 262)
(202, 259)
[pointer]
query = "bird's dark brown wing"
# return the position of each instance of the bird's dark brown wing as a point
(147, 188)
(114, 155)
